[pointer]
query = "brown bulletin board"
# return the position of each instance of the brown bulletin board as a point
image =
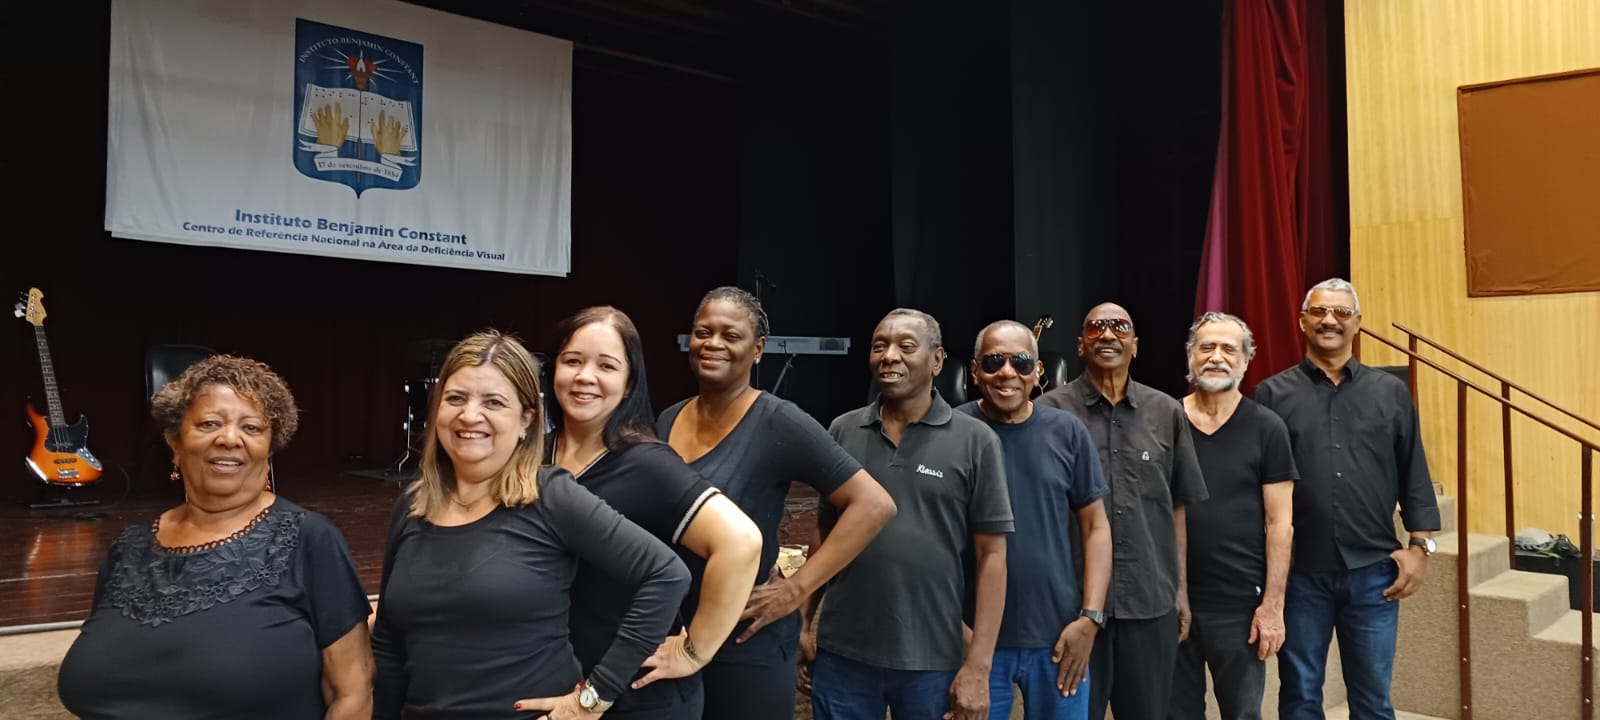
(1530, 184)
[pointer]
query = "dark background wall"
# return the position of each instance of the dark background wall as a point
(1035, 157)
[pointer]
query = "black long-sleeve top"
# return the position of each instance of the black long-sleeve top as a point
(474, 617)
(1358, 446)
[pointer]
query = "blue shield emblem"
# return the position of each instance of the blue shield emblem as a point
(358, 107)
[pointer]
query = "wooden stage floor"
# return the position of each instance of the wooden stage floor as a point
(48, 558)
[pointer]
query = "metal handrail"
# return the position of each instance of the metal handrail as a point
(1497, 376)
(1585, 519)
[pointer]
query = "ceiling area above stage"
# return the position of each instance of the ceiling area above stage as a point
(703, 37)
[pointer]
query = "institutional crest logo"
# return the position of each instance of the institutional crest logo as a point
(358, 107)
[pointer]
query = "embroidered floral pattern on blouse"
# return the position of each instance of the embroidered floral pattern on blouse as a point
(153, 587)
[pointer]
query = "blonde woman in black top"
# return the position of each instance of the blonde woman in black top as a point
(482, 551)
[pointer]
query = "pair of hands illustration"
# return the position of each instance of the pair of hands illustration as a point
(333, 126)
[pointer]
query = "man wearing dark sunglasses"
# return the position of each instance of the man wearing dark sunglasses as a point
(1147, 454)
(1053, 476)
(1239, 539)
(1359, 450)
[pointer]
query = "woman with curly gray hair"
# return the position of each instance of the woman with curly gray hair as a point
(236, 603)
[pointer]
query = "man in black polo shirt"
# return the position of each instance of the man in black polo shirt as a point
(1148, 457)
(1359, 451)
(889, 634)
(1239, 539)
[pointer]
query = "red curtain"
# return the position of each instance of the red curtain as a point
(1271, 230)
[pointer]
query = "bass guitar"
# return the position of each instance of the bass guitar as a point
(1043, 323)
(60, 453)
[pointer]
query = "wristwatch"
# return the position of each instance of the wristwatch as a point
(1095, 616)
(1427, 544)
(589, 699)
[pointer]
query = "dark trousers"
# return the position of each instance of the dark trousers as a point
(681, 699)
(1222, 641)
(1131, 668)
(749, 692)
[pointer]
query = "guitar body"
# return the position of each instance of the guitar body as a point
(60, 455)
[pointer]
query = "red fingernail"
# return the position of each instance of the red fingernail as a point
(518, 706)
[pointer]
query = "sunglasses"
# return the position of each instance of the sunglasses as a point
(1118, 327)
(1023, 363)
(1340, 311)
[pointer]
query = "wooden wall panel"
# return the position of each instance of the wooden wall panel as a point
(1405, 59)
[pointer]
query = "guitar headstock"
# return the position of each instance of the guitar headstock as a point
(1044, 323)
(31, 307)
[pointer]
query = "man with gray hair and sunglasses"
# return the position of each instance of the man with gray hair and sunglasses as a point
(1358, 446)
(1053, 477)
(1148, 458)
(1239, 539)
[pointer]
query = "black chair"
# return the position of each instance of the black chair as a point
(162, 364)
(1056, 372)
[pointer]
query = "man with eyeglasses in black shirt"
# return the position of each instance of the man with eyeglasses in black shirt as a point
(1359, 451)
(1148, 457)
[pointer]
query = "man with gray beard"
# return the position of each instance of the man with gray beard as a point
(1240, 539)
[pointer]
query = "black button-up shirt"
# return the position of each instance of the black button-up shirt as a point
(1359, 450)
(1150, 465)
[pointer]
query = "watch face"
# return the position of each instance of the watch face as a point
(588, 698)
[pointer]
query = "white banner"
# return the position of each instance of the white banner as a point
(360, 129)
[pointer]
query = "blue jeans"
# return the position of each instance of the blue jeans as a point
(843, 689)
(1351, 602)
(1035, 673)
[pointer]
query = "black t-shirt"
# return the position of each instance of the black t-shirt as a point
(236, 631)
(1227, 533)
(1052, 472)
(775, 444)
(474, 617)
(651, 486)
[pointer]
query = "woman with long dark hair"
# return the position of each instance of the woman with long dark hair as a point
(606, 438)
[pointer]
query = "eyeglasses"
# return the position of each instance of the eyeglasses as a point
(1023, 363)
(1118, 326)
(1340, 311)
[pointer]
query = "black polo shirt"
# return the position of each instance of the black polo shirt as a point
(1149, 462)
(898, 604)
(1359, 450)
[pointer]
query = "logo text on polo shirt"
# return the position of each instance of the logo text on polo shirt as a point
(925, 470)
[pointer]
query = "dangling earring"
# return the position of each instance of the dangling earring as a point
(175, 476)
(524, 434)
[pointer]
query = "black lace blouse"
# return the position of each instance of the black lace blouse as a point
(235, 630)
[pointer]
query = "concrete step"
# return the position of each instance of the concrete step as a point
(1540, 599)
(1487, 556)
(1568, 630)
(28, 666)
